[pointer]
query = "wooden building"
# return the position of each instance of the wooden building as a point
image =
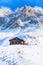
(17, 41)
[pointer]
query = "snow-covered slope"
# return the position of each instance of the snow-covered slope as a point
(21, 55)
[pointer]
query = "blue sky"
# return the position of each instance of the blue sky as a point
(13, 4)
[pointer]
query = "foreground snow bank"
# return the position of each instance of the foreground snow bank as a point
(21, 55)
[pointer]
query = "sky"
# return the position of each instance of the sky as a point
(13, 4)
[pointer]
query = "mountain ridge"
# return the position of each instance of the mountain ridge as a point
(21, 16)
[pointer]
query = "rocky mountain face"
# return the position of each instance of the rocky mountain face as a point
(23, 17)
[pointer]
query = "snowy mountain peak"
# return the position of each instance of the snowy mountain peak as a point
(4, 11)
(38, 10)
(28, 10)
(20, 17)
